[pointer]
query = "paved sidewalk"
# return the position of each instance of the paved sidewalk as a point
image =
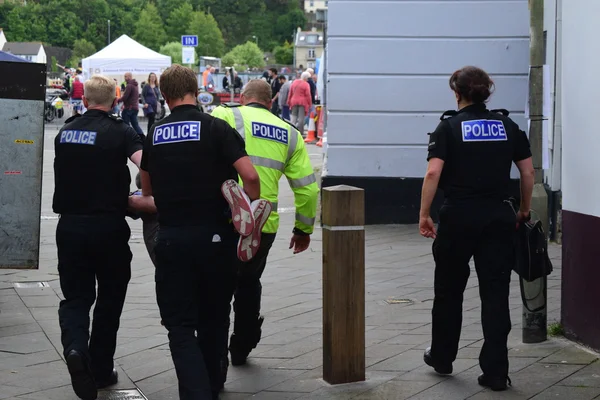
(288, 362)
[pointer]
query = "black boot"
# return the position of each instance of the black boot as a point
(110, 380)
(240, 347)
(440, 368)
(82, 378)
(497, 384)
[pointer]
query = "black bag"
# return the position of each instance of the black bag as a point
(532, 259)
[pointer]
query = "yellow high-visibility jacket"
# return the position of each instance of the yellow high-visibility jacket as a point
(276, 148)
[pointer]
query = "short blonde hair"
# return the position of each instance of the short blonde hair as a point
(100, 90)
(259, 90)
(178, 81)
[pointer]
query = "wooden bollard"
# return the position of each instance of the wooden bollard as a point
(343, 221)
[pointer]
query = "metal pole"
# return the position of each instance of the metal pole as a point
(109, 31)
(535, 323)
(232, 83)
(294, 43)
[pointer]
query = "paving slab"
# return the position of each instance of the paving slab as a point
(287, 364)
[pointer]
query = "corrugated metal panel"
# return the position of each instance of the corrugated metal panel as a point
(388, 68)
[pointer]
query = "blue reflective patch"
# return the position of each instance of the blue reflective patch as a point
(483, 130)
(270, 132)
(176, 132)
(78, 137)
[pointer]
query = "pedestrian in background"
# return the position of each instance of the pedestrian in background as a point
(131, 104)
(283, 97)
(150, 97)
(299, 101)
(470, 157)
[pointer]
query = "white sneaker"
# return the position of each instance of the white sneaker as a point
(241, 210)
(248, 246)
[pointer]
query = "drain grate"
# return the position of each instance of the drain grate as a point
(129, 394)
(29, 285)
(393, 300)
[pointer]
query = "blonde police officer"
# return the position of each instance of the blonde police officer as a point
(275, 148)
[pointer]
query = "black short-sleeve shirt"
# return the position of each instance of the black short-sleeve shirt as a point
(189, 155)
(478, 148)
(91, 175)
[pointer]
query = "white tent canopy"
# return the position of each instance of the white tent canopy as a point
(125, 55)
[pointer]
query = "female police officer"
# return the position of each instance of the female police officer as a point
(470, 156)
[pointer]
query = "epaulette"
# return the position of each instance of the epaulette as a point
(448, 114)
(501, 111)
(115, 117)
(72, 118)
(231, 105)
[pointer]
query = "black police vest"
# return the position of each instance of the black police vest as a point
(480, 146)
(90, 166)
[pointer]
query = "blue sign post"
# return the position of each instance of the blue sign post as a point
(189, 40)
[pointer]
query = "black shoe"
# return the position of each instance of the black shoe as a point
(440, 368)
(239, 352)
(112, 379)
(81, 376)
(497, 384)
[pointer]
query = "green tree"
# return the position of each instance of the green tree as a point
(123, 17)
(284, 54)
(166, 7)
(53, 65)
(149, 29)
(172, 49)
(210, 39)
(288, 23)
(247, 55)
(83, 48)
(179, 21)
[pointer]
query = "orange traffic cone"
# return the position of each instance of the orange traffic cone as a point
(311, 137)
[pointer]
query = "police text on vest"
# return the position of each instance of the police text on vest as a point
(78, 137)
(483, 130)
(270, 132)
(177, 132)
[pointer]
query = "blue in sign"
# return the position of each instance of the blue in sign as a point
(270, 132)
(177, 132)
(78, 137)
(189, 40)
(483, 130)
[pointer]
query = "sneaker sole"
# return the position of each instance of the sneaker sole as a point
(248, 246)
(81, 378)
(241, 211)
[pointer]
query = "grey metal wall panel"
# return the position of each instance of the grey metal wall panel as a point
(427, 56)
(387, 128)
(414, 93)
(424, 18)
(388, 69)
(381, 161)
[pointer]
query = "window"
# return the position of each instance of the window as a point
(311, 53)
(312, 39)
(312, 3)
(326, 3)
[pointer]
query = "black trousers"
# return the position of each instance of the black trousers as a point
(90, 249)
(248, 292)
(151, 118)
(486, 232)
(195, 279)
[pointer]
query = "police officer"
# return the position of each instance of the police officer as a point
(187, 158)
(92, 234)
(276, 148)
(470, 157)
